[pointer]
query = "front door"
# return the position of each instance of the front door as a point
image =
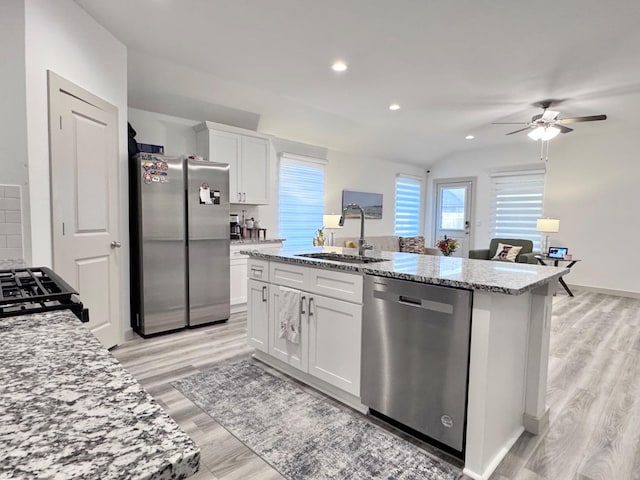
(83, 133)
(453, 213)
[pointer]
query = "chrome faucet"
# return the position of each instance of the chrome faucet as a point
(362, 246)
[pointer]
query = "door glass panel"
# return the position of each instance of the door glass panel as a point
(452, 203)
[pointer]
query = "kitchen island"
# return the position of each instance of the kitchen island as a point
(509, 333)
(69, 410)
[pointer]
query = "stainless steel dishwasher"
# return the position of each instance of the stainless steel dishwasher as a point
(415, 356)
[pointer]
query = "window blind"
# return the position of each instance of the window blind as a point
(300, 200)
(408, 206)
(517, 201)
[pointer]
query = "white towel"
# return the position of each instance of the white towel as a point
(289, 306)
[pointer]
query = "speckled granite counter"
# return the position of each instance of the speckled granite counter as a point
(499, 277)
(69, 410)
(255, 241)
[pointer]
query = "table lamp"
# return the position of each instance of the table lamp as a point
(547, 225)
(331, 222)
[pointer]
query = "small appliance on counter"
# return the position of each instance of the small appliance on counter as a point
(37, 290)
(235, 229)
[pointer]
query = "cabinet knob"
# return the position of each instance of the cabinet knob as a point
(115, 244)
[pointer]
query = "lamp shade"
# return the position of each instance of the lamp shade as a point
(331, 221)
(548, 225)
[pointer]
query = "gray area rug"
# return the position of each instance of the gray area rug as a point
(304, 436)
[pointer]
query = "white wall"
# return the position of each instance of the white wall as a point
(13, 123)
(176, 134)
(349, 172)
(61, 37)
(591, 186)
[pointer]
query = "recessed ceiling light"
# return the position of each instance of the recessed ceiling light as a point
(469, 137)
(339, 66)
(394, 106)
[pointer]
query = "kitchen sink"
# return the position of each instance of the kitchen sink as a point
(338, 257)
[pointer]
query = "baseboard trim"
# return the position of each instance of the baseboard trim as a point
(604, 291)
(536, 425)
(495, 461)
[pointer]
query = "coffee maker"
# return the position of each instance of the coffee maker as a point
(235, 229)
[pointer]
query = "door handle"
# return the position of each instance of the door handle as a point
(310, 311)
(264, 291)
(302, 299)
(115, 244)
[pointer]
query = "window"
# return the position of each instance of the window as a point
(300, 199)
(408, 205)
(516, 205)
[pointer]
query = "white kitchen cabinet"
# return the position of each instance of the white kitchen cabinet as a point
(258, 315)
(331, 323)
(248, 155)
(335, 331)
(295, 354)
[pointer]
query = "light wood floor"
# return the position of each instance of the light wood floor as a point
(593, 393)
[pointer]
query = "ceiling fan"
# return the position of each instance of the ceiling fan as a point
(547, 125)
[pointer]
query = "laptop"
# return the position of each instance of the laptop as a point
(557, 252)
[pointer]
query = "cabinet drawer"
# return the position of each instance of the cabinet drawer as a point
(289, 275)
(340, 285)
(258, 269)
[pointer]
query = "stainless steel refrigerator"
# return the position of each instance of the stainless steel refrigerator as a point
(179, 232)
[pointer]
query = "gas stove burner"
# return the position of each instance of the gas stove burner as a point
(37, 290)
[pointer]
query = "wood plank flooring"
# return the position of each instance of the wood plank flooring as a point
(593, 393)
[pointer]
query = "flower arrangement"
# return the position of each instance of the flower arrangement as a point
(319, 238)
(447, 245)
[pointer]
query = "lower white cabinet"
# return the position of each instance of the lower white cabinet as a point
(335, 332)
(331, 328)
(238, 281)
(295, 354)
(258, 315)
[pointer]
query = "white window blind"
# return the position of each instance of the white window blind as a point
(408, 206)
(300, 200)
(517, 200)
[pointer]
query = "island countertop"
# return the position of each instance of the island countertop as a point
(69, 410)
(492, 276)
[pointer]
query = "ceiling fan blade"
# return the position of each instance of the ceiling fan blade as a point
(549, 115)
(591, 118)
(562, 128)
(518, 131)
(510, 123)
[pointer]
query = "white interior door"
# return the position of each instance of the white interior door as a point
(453, 213)
(84, 189)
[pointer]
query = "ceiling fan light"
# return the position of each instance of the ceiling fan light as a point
(544, 133)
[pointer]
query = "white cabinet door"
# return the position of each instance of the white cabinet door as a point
(225, 148)
(335, 331)
(255, 170)
(258, 315)
(295, 354)
(238, 281)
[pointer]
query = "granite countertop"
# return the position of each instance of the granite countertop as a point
(500, 277)
(251, 241)
(69, 410)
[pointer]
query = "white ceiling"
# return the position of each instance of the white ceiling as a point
(454, 66)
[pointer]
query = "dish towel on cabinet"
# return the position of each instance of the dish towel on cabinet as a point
(289, 306)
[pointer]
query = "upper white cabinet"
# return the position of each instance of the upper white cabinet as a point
(248, 155)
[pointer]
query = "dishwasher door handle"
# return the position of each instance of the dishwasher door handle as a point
(425, 304)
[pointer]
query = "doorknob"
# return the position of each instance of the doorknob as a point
(115, 244)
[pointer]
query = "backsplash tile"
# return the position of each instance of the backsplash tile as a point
(10, 222)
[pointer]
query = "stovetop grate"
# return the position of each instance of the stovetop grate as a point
(36, 290)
